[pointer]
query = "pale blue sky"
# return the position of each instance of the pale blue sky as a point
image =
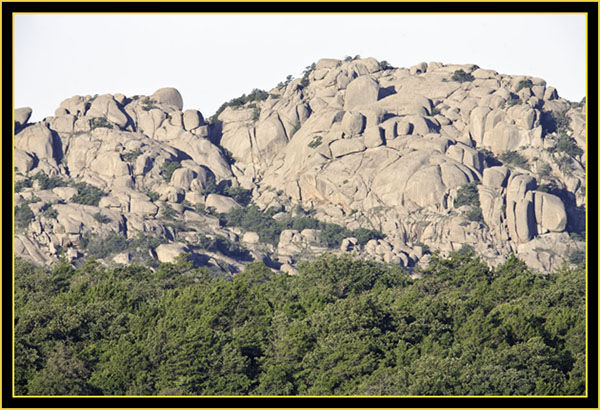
(212, 58)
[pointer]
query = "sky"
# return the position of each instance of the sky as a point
(212, 58)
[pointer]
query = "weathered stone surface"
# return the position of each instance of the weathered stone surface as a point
(550, 213)
(373, 137)
(169, 96)
(361, 91)
(37, 139)
(394, 147)
(221, 203)
(22, 115)
(192, 119)
(23, 161)
(353, 124)
(495, 176)
(167, 252)
(344, 147)
(105, 106)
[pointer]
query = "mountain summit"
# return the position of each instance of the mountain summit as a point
(390, 164)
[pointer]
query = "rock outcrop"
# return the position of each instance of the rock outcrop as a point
(362, 145)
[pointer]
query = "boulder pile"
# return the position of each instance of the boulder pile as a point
(359, 143)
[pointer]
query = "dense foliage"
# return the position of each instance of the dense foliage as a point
(255, 95)
(87, 194)
(462, 76)
(339, 327)
(251, 218)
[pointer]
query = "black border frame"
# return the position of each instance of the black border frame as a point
(591, 8)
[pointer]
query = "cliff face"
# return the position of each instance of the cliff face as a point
(434, 157)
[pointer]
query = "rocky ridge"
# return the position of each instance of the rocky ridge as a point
(435, 157)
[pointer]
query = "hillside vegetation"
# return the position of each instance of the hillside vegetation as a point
(340, 327)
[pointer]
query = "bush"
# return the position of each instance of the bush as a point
(524, 84)
(167, 169)
(225, 246)
(241, 195)
(131, 155)
(154, 196)
(568, 146)
(87, 194)
(99, 122)
(515, 159)
(577, 257)
(474, 214)
(103, 219)
(23, 215)
(514, 101)
(50, 213)
(461, 76)
(46, 182)
(255, 95)
(467, 195)
(554, 121)
(364, 235)
(545, 170)
(489, 158)
(148, 104)
(333, 235)
(316, 141)
(101, 247)
(24, 183)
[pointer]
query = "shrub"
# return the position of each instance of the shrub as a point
(564, 164)
(241, 195)
(333, 235)
(46, 182)
(489, 158)
(425, 248)
(514, 101)
(364, 235)
(23, 215)
(101, 247)
(316, 141)
(386, 66)
(168, 212)
(100, 122)
(545, 170)
(554, 121)
(253, 219)
(131, 155)
(103, 219)
(515, 159)
(255, 95)
(87, 194)
(461, 76)
(467, 195)
(50, 213)
(577, 257)
(225, 246)
(474, 214)
(154, 196)
(168, 167)
(228, 155)
(24, 183)
(568, 146)
(524, 84)
(148, 104)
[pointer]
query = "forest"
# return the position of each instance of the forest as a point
(340, 327)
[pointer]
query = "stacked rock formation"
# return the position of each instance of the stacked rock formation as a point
(360, 143)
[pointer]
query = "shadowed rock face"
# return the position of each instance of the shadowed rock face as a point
(363, 146)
